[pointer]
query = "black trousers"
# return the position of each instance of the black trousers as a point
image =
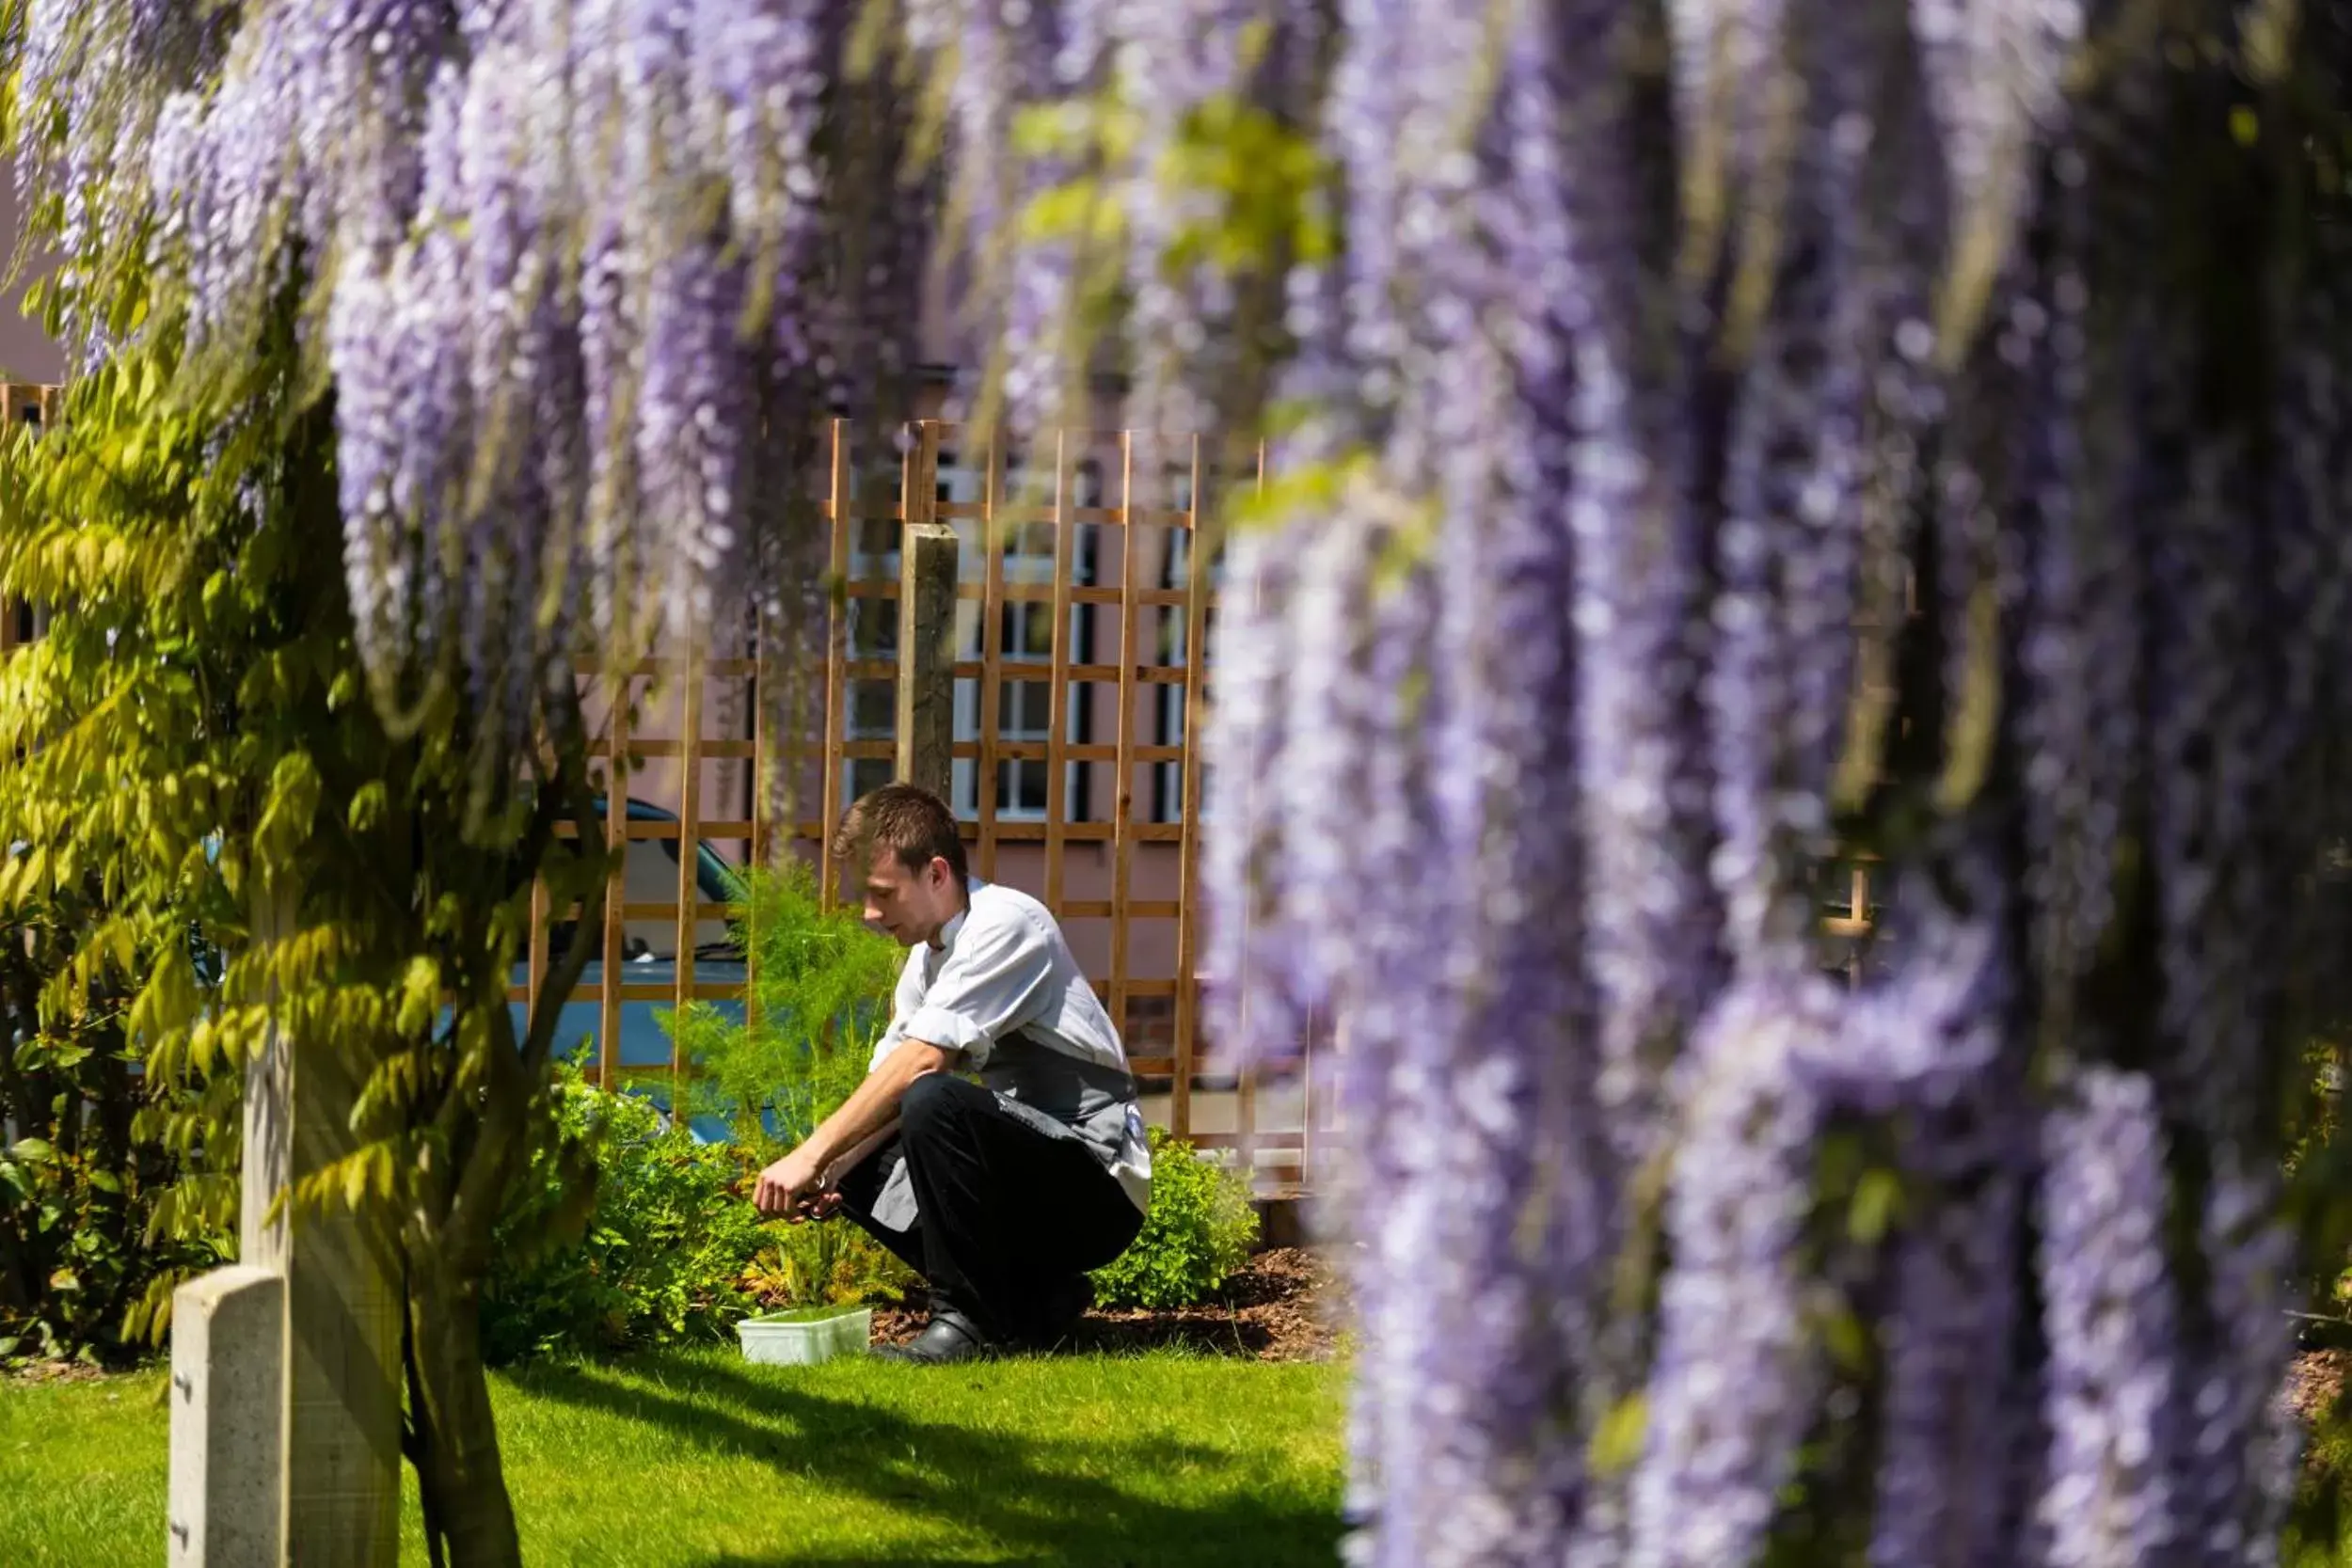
(1010, 1216)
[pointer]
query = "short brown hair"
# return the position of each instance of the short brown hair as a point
(906, 819)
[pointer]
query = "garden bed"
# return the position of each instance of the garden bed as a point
(1283, 1304)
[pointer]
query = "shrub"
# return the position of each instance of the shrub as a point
(819, 998)
(624, 1234)
(102, 1209)
(1199, 1229)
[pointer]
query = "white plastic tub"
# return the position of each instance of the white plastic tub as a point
(806, 1335)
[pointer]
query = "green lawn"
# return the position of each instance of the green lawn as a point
(696, 1458)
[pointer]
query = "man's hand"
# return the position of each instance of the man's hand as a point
(791, 1189)
(797, 1186)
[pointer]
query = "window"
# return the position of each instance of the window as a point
(1024, 703)
(1168, 699)
(870, 707)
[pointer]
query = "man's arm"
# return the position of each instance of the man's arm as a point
(795, 1180)
(990, 985)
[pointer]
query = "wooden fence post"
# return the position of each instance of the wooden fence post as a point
(927, 558)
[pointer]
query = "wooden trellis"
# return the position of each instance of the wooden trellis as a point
(1079, 704)
(1081, 683)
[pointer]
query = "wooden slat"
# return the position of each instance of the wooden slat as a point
(1040, 750)
(1117, 516)
(1031, 594)
(992, 597)
(1142, 988)
(1104, 908)
(712, 749)
(535, 964)
(1245, 1092)
(1200, 545)
(667, 908)
(616, 826)
(1034, 831)
(651, 990)
(1273, 1142)
(1123, 792)
(763, 789)
(1143, 675)
(763, 743)
(689, 862)
(1147, 675)
(656, 668)
(1058, 703)
(873, 512)
(835, 664)
(1043, 593)
(1306, 1098)
(837, 660)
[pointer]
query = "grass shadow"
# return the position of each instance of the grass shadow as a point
(1028, 1495)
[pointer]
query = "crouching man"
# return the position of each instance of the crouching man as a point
(1001, 1192)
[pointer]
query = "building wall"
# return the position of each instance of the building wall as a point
(27, 351)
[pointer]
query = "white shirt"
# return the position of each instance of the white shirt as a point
(1001, 969)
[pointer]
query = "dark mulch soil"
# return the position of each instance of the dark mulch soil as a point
(2315, 1379)
(52, 1372)
(1281, 1307)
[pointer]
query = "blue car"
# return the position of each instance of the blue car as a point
(649, 963)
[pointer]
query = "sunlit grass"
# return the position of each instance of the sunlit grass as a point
(697, 1458)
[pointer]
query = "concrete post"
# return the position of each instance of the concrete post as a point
(927, 632)
(341, 1343)
(227, 1402)
(322, 1477)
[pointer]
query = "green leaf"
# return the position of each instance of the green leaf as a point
(30, 1149)
(1877, 1198)
(368, 805)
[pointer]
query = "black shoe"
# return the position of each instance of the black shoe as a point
(1064, 1306)
(949, 1337)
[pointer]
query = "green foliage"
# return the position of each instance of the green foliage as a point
(1199, 1229)
(85, 1180)
(119, 753)
(657, 1244)
(626, 1234)
(661, 1258)
(192, 750)
(819, 998)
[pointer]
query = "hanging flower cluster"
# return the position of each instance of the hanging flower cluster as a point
(1734, 434)
(585, 275)
(1705, 434)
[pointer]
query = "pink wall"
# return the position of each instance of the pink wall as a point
(26, 353)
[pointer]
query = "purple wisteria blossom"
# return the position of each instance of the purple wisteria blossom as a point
(567, 262)
(1686, 337)
(1714, 451)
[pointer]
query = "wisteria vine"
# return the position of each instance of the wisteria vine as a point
(584, 279)
(1820, 429)
(1705, 438)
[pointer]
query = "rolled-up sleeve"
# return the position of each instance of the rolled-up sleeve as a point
(994, 982)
